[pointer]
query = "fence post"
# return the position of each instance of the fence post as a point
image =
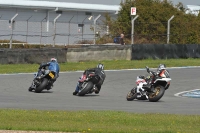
(11, 22)
(69, 29)
(168, 28)
(54, 22)
(41, 30)
(27, 29)
(132, 31)
(95, 20)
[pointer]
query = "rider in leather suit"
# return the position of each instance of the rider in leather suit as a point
(160, 69)
(52, 66)
(98, 70)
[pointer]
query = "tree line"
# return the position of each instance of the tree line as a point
(151, 25)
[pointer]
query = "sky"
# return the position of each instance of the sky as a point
(186, 2)
(116, 2)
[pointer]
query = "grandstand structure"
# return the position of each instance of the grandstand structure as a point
(53, 21)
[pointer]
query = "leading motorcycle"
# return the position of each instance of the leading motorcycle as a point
(42, 80)
(158, 85)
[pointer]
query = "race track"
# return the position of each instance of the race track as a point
(14, 93)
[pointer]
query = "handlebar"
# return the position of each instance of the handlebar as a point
(151, 72)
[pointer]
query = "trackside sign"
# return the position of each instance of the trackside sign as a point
(133, 10)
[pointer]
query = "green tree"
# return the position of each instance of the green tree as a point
(151, 25)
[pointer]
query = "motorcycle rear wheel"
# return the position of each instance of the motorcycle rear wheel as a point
(157, 94)
(86, 88)
(131, 96)
(41, 86)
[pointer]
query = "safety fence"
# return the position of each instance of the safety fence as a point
(65, 33)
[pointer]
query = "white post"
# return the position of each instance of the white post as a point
(11, 22)
(54, 22)
(95, 20)
(47, 21)
(69, 29)
(168, 28)
(132, 31)
(27, 29)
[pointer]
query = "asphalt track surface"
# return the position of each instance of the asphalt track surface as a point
(14, 93)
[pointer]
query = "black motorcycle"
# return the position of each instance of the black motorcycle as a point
(42, 80)
(88, 82)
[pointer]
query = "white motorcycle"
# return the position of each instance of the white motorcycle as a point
(158, 85)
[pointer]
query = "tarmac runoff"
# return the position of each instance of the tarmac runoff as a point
(189, 94)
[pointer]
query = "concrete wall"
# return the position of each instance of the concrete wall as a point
(21, 56)
(85, 53)
(104, 52)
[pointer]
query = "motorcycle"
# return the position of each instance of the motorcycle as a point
(42, 80)
(87, 83)
(158, 84)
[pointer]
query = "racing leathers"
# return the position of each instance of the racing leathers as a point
(52, 66)
(96, 71)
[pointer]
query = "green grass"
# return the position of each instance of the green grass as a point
(116, 64)
(97, 121)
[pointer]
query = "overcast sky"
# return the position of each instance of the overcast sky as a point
(116, 2)
(186, 2)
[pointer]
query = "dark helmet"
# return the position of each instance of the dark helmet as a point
(54, 59)
(161, 67)
(101, 66)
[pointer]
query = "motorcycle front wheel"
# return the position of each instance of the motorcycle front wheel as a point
(131, 95)
(157, 93)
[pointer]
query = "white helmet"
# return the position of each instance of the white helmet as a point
(54, 59)
(161, 67)
(101, 66)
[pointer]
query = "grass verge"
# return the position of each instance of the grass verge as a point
(109, 65)
(97, 121)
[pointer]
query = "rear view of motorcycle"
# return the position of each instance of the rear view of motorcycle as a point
(150, 88)
(42, 80)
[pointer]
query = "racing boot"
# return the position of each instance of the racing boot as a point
(97, 89)
(75, 92)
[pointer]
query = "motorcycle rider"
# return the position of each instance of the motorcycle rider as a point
(99, 70)
(160, 69)
(52, 66)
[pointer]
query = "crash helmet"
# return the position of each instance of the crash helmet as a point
(54, 59)
(101, 66)
(161, 67)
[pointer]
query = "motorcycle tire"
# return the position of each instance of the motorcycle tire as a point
(87, 87)
(155, 96)
(42, 86)
(131, 96)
